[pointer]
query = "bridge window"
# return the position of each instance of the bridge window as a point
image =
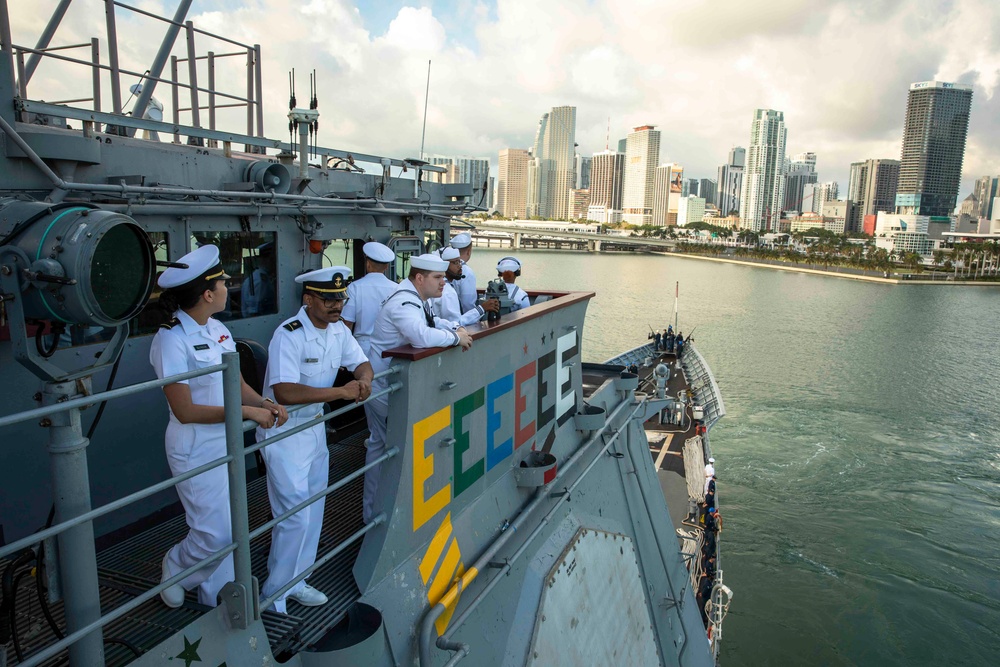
(250, 258)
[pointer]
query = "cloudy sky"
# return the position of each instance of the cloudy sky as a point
(839, 70)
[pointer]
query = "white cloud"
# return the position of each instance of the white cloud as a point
(415, 30)
(839, 70)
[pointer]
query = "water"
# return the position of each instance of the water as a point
(859, 463)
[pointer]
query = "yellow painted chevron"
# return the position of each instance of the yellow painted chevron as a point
(435, 549)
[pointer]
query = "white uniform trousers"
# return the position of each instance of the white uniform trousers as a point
(377, 412)
(298, 468)
(206, 505)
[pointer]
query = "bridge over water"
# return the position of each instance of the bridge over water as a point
(523, 237)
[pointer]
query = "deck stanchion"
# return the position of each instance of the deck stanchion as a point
(77, 554)
(232, 399)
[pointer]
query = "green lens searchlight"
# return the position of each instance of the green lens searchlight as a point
(71, 264)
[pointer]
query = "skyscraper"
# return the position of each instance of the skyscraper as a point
(512, 183)
(799, 172)
(937, 122)
(880, 185)
(807, 159)
(730, 182)
(763, 192)
(706, 190)
(987, 189)
(537, 171)
(825, 192)
(552, 173)
(607, 175)
(668, 189)
(642, 153)
(472, 170)
(583, 172)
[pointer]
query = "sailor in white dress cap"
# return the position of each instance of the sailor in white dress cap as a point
(447, 306)
(196, 433)
(366, 294)
(304, 356)
(509, 268)
(405, 319)
(466, 285)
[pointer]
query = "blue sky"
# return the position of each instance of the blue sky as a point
(456, 16)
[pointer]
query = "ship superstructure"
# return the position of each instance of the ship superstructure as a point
(522, 521)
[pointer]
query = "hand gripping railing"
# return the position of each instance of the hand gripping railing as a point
(427, 625)
(83, 626)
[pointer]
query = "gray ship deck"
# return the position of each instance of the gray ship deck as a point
(132, 566)
(666, 441)
(668, 452)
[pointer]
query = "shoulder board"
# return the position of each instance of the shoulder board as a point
(293, 325)
(171, 324)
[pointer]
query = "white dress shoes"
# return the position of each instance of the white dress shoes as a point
(308, 597)
(173, 596)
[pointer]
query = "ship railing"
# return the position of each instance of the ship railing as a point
(79, 574)
(251, 100)
(21, 62)
(703, 384)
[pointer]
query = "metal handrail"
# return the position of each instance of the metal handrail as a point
(240, 546)
(180, 25)
(118, 612)
(37, 537)
(76, 61)
(249, 424)
(339, 484)
(396, 386)
(100, 397)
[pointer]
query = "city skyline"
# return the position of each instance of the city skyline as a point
(498, 65)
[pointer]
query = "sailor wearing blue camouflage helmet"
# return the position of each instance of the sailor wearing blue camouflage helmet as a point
(196, 432)
(304, 356)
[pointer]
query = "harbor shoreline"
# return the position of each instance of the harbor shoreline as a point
(835, 274)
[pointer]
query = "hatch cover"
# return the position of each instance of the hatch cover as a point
(593, 610)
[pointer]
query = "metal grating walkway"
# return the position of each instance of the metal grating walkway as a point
(133, 566)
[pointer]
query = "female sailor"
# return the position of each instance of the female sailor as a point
(196, 433)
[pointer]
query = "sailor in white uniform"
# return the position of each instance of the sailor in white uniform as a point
(466, 285)
(196, 433)
(448, 306)
(303, 358)
(509, 268)
(405, 319)
(366, 294)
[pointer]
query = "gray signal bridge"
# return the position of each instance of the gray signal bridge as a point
(517, 238)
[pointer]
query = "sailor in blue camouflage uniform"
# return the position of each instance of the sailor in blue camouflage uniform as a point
(196, 433)
(405, 319)
(366, 294)
(466, 285)
(304, 356)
